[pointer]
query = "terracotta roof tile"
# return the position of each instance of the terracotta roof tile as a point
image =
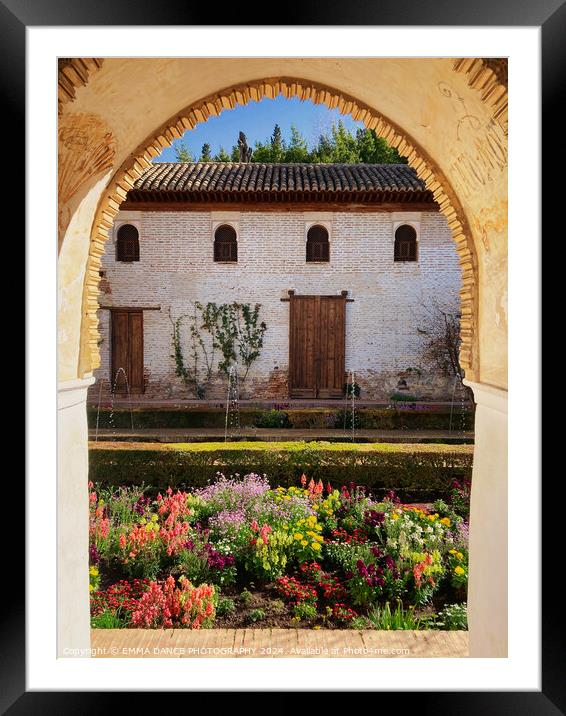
(204, 180)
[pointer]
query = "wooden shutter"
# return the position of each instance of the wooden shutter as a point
(405, 243)
(225, 244)
(318, 248)
(127, 244)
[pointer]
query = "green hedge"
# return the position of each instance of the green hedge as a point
(306, 418)
(419, 471)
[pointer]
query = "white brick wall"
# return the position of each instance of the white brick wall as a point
(176, 267)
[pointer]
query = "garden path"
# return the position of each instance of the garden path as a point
(277, 643)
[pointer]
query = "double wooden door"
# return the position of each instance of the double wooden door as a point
(127, 351)
(317, 339)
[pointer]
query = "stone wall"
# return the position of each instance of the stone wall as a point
(382, 323)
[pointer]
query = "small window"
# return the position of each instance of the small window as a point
(318, 248)
(405, 243)
(225, 244)
(127, 244)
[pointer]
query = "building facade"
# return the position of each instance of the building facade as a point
(345, 264)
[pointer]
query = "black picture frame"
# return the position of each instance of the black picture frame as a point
(550, 15)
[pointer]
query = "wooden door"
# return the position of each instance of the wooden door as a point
(331, 347)
(127, 351)
(317, 346)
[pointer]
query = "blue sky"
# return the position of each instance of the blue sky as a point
(257, 120)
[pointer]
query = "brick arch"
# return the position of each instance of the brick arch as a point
(213, 105)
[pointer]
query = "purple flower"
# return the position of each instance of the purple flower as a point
(227, 521)
(94, 557)
(141, 505)
(373, 518)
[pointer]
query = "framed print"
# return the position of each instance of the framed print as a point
(282, 353)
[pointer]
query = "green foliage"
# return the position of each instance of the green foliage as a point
(418, 471)
(366, 418)
(107, 620)
(266, 562)
(304, 611)
(399, 618)
(403, 398)
(249, 334)
(454, 617)
(194, 565)
(272, 419)
(256, 615)
(190, 374)
(232, 330)
(222, 156)
(183, 154)
(246, 597)
(206, 153)
(337, 146)
(225, 606)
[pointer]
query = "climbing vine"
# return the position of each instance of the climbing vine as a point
(250, 334)
(227, 332)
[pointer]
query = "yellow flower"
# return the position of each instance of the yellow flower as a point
(394, 516)
(316, 546)
(459, 570)
(304, 543)
(93, 571)
(452, 551)
(459, 555)
(445, 521)
(298, 536)
(315, 507)
(154, 518)
(287, 497)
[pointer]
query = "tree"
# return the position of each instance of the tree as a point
(205, 154)
(345, 145)
(375, 150)
(297, 150)
(440, 341)
(338, 146)
(222, 156)
(183, 153)
(277, 144)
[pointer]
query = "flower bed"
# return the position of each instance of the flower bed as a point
(238, 552)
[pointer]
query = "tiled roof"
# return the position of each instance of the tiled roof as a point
(202, 181)
(225, 176)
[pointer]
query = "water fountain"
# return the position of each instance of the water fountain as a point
(232, 423)
(462, 400)
(112, 393)
(350, 386)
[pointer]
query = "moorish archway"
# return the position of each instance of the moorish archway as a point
(448, 117)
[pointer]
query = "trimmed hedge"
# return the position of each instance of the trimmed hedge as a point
(421, 471)
(306, 418)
